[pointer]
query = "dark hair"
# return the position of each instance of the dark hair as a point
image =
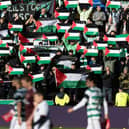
(92, 77)
(39, 93)
(27, 78)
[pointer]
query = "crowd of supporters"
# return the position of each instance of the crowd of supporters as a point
(85, 36)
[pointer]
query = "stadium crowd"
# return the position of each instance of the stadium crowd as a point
(72, 37)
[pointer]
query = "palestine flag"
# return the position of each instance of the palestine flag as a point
(43, 59)
(70, 80)
(86, 2)
(37, 77)
(122, 38)
(61, 28)
(43, 24)
(4, 51)
(95, 69)
(15, 27)
(27, 59)
(5, 4)
(112, 52)
(91, 31)
(29, 37)
(113, 4)
(62, 15)
(71, 3)
(50, 37)
(110, 40)
(90, 52)
(5, 41)
(78, 26)
(65, 62)
(15, 71)
(80, 48)
(25, 47)
(72, 35)
(100, 45)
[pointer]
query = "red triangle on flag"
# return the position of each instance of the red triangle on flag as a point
(21, 47)
(7, 45)
(44, 36)
(58, 26)
(38, 58)
(85, 29)
(127, 38)
(91, 2)
(88, 67)
(1, 41)
(0, 3)
(66, 2)
(85, 51)
(22, 58)
(10, 25)
(30, 75)
(8, 116)
(108, 3)
(78, 47)
(60, 77)
(22, 38)
(105, 38)
(56, 14)
(10, 69)
(106, 51)
(38, 25)
(73, 25)
(95, 44)
(66, 34)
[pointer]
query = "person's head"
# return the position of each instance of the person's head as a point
(73, 66)
(125, 70)
(62, 89)
(26, 81)
(43, 11)
(59, 52)
(93, 59)
(42, 67)
(107, 68)
(120, 89)
(98, 8)
(16, 82)
(84, 9)
(1, 20)
(113, 10)
(71, 52)
(90, 80)
(113, 33)
(28, 66)
(89, 21)
(72, 42)
(38, 97)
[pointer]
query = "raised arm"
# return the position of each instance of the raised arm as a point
(105, 105)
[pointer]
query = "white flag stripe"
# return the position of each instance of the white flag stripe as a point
(64, 14)
(93, 29)
(74, 34)
(5, 3)
(114, 51)
(37, 76)
(64, 27)
(83, 1)
(7, 41)
(115, 3)
(45, 58)
(4, 51)
(18, 69)
(102, 45)
(29, 57)
(72, 2)
(73, 77)
(96, 68)
(92, 50)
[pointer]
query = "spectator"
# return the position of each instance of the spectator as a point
(62, 99)
(85, 13)
(124, 80)
(99, 18)
(107, 84)
(122, 98)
